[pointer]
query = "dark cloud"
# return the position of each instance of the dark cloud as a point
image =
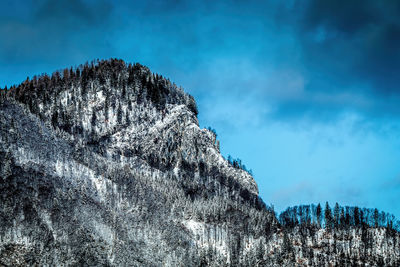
(53, 30)
(349, 58)
(75, 13)
(354, 41)
(348, 17)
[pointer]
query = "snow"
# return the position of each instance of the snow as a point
(198, 229)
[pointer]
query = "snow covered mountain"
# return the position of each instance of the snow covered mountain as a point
(106, 165)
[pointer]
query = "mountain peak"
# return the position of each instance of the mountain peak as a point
(125, 110)
(111, 76)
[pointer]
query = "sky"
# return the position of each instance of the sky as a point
(306, 93)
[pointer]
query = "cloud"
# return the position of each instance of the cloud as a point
(350, 195)
(53, 30)
(70, 12)
(291, 194)
(391, 184)
(360, 40)
(348, 55)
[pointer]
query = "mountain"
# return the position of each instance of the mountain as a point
(106, 165)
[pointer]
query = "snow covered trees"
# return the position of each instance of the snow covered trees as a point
(115, 170)
(342, 217)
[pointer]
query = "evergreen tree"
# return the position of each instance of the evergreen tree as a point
(336, 215)
(376, 217)
(94, 119)
(319, 214)
(328, 216)
(356, 217)
(119, 113)
(342, 218)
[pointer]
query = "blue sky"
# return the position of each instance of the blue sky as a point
(306, 93)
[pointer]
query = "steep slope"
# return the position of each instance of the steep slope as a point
(105, 165)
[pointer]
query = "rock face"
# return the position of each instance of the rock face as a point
(105, 165)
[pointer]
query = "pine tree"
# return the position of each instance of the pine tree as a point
(356, 217)
(119, 114)
(336, 215)
(342, 218)
(328, 216)
(376, 217)
(94, 119)
(319, 214)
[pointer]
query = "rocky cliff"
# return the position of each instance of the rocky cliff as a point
(106, 165)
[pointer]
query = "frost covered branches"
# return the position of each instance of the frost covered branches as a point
(237, 163)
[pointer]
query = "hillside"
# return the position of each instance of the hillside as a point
(106, 165)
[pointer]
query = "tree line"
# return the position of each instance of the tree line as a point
(337, 217)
